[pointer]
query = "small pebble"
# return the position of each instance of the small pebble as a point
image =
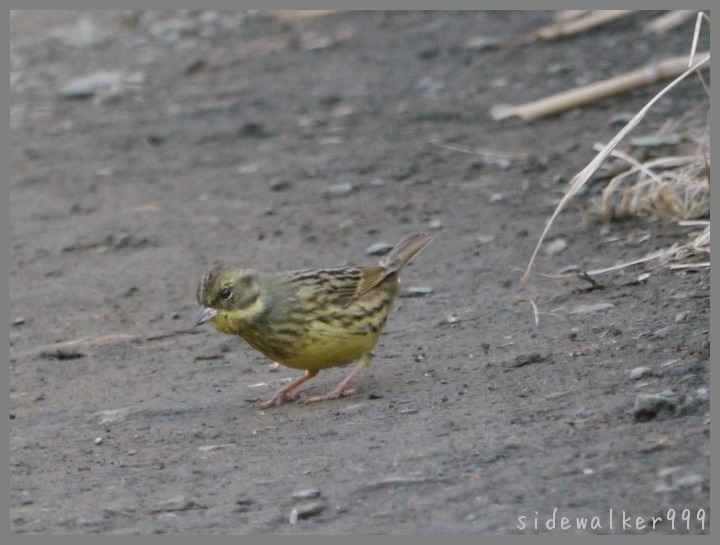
(689, 481)
(305, 510)
(18, 321)
(496, 198)
(587, 309)
(651, 406)
(640, 372)
(556, 246)
(250, 168)
(482, 43)
(379, 248)
(98, 440)
(91, 84)
(435, 224)
(339, 190)
(663, 332)
(681, 316)
(416, 291)
(528, 359)
(306, 494)
(281, 185)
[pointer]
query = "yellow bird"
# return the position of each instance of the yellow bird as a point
(309, 319)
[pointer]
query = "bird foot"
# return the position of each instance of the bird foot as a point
(332, 394)
(278, 399)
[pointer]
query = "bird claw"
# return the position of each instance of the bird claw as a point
(276, 400)
(332, 394)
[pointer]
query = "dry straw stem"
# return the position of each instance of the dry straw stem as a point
(669, 21)
(568, 14)
(580, 96)
(298, 14)
(670, 188)
(100, 340)
(582, 177)
(572, 23)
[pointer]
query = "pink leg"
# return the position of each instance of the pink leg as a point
(342, 388)
(282, 395)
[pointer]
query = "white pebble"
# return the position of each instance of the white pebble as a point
(640, 372)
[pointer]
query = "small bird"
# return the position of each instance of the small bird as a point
(310, 319)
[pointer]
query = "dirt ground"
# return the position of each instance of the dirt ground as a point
(147, 146)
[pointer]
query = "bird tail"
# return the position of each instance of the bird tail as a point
(405, 250)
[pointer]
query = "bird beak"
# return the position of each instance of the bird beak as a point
(205, 314)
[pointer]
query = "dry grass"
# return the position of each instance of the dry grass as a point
(672, 188)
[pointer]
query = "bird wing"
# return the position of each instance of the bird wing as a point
(339, 286)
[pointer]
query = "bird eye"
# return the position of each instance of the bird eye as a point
(226, 293)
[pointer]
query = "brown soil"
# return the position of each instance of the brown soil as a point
(292, 144)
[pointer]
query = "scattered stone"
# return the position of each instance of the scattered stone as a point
(98, 440)
(691, 404)
(177, 503)
(689, 481)
(681, 316)
(339, 190)
(252, 129)
(482, 43)
(306, 510)
(281, 185)
(556, 246)
(588, 309)
(703, 394)
(452, 319)
(208, 448)
(375, 394)
(306, 494)
(18, 321)
(249, 168)
(640, 372)
(92, 84)
(84, 33)
(416, 291)
(112, 415)
(435, 224)
(379, 248)
(528, 359)
(652, 406)
(496, 198)
(408, 411)
(61, 354)
(170, 31)
(672, 482)
(663, 332)
(430, 86)
(686, 368)
(485, 239)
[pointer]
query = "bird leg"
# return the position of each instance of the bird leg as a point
(342, 388)
(283, 395)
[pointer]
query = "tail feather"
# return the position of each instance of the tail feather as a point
(405, 250)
